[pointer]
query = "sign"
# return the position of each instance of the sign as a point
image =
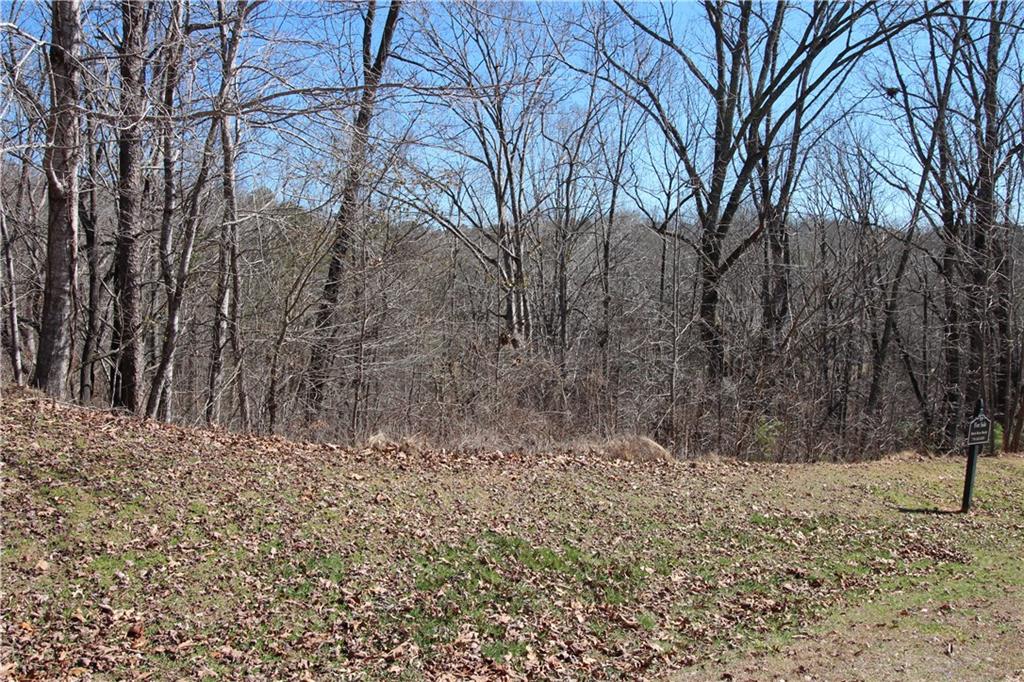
(978, 430)
(977, 435)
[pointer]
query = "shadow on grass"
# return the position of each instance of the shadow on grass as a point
(926, 510)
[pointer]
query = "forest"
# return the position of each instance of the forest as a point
(781, 231)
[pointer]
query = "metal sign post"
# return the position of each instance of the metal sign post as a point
(977, 436)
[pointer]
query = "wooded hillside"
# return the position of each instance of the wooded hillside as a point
(769, 230)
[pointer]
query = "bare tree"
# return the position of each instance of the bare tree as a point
(127, 376)
(230, 28)
(175, 276)
(373, 64)
(493, 70)
(9, 294)
(63, 153)
(716, 223)
(786, 79)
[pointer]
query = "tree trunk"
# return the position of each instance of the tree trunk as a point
(710, 327)
(88, 217)
(980, 247)
(158, 402)
(321, 356)
(9, 296)
(991, 323)
(219, 331)
(229, 41)
(235, 333)
(951, 347)
(60, 162)
(126, 381)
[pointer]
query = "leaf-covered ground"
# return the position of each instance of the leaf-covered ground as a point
(133, 549)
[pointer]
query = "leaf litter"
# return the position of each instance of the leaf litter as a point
(139, 550)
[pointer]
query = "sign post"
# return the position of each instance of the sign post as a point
(977, 437)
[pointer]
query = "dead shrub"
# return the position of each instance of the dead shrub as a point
(630, 448)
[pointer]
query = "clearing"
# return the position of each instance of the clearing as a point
(133, 549)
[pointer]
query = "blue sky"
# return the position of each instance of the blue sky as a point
(291, 157)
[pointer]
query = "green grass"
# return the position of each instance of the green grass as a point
(405, 571)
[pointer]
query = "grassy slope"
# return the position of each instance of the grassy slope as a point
(131, 547)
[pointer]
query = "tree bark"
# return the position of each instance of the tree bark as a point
(125, 383)
(60, 161)
(87, 210)
(158, 403)
(9, 297)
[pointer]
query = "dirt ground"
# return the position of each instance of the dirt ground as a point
(966, 639)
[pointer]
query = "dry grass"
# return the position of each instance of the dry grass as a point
(635, 449)
(135, 548)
